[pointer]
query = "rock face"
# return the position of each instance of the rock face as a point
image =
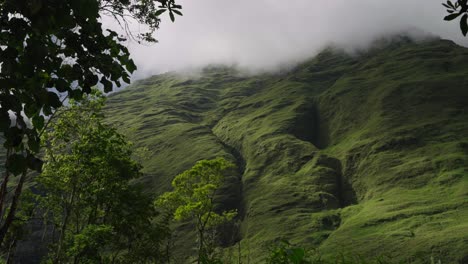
(364, 154)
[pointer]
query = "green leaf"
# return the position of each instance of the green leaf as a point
(38, 122)
(30, 109)
(464, 24)
(86, 89)
(16, 164)
(171, 15)
(13, 136)
(131, 67)
(452, 16)
(34, 144)
(47, 110)
(34, 163)
(177, 12)
(107, 85)
(5, 121)
(160, 11)
(91, 79)
(125, 78)
(76, 94)
(66, 70)
(61, 85)
(53, 100)
(450, 4)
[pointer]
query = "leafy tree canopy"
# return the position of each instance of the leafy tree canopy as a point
(56, 49)
(86, 192)
(193, 199)
(195, 190)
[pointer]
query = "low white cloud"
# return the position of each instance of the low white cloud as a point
(263, 34)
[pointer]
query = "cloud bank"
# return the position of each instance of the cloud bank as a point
(262, 34)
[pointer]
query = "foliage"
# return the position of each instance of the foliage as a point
(285, 253)
(193, 199)
(18, 230)
(456, 9)
(87, 196)
(51, 50)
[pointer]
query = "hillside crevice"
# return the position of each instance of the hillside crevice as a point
(240, 168)
(342, 189)
(307, 126)
(232, 197)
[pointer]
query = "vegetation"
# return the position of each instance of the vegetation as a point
(193, 199)
(53, 50)
(285, 253)
(364, 155)
(456, 9)
(96, 214)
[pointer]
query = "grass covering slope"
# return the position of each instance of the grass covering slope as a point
(364, 154)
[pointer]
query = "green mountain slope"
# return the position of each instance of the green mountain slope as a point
(359, 154)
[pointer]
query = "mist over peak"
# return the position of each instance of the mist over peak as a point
(267, 35)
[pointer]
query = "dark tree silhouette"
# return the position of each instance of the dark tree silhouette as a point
(456, 10)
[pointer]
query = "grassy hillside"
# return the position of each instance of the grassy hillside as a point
(364, 154)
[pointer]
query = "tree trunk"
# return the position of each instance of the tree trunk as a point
(3, 188)
(3, 193)
(61, 236)
(200, 245)
(14, 204)
(11, 252)
(65, 223)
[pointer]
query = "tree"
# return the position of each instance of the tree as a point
(282, 252)
(193, 199)
(457, 9)
(98, 216)
(53, 50)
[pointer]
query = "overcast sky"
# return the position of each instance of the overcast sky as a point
(262, 34)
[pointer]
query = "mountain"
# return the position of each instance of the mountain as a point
(363, 154)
